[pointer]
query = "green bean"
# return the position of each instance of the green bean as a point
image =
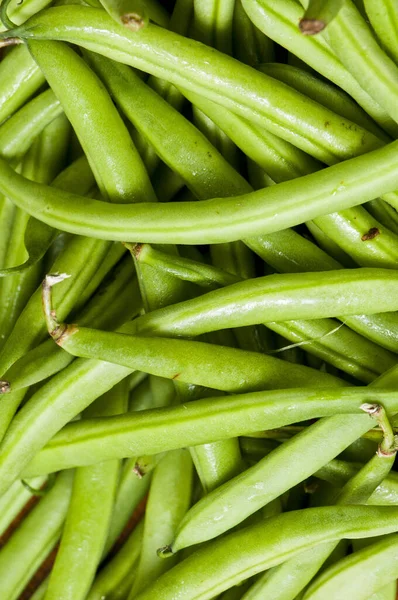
(20, 79)
(41, 164)
(246, 91)
(212, 24)
(323, 92)
(89, 514)
(91, 440)
(374, 70)
(171, 480)
(365, 363)
(50, 56)
(19, 131)
(279, 158)
(131, 491)
(278, 19)
(368, 570)
(255, 548)
(14, 500)
(211, 513)
(362, 237)
(250, 45)
(383, 17)
(120, 568)
(318, 15)
(288, 579)
(214, 221)
(34, 538)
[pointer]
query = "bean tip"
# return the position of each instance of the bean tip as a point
(164, 552)
(133, 21)
(311, 26)
(4, 387)
(10, 41)
(372, 409)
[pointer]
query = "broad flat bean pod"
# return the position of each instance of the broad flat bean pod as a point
(211, 221)
(240, 555)
(210, 73)
(93, 440)
(361, 574)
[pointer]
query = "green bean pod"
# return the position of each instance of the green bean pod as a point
(362, 573)
(375, 72)
(250, 45)
(135, 14)
(168, 501)
(251, 550)
(89, 514)
(205, 71)
(50, 57)
(14, 500)
(383, 17)
(288, 579)
(121, 567)
(89, 441)
(19, 131)
(34, 539)
(20, 78)
(278, 19)
(323, 92)
(19, 13)
(334, 343)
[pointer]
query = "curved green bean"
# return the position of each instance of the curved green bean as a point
(362, 573)
(205, 71)
(90, 441)
(224, 219)
(51, 57)
(240, 555)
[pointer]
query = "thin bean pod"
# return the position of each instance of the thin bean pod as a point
(34, 539)
(375, 72)
(383, 17)
(345, 350)
(250, 45)
(89, 514)
(240, 555)
(20, 78)
(135, 14)
(168, 501)
(278, 19)
(14, 500)
(122, 566)
(102, 439)
(205, 71)
(362, 573)
(289, 579)
(214, 221)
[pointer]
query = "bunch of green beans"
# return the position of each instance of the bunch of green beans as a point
(198, 300)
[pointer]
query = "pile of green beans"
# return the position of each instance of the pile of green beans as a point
(198, 299)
